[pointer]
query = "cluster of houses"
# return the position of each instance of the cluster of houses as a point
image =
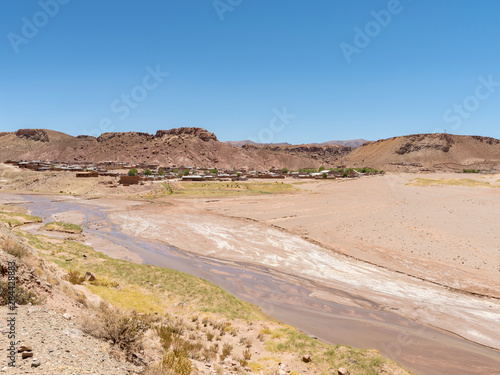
(155, 172)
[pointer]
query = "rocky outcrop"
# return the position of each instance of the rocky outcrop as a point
(313, 151)
(200, 133)
(104, 137)
(488, 140)
(39, 135)
(87, 138)
(415, 143)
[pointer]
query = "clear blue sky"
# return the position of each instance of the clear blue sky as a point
(83, 68)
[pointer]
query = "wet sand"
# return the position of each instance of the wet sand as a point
(284, 295)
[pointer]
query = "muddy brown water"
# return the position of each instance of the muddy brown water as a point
(420, 348)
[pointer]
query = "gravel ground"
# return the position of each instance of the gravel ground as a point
(58, 345)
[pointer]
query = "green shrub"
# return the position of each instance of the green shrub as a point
(471, 171)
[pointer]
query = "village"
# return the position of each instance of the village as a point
(133, 174)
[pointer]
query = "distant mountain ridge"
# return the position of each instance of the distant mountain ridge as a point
(350, 143)
(198, 147)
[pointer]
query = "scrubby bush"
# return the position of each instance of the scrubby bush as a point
(123, 329)
(22, 296)
(16, 249)
(74, 277)
(226, 351)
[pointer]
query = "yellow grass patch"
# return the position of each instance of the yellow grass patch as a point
(468, 182)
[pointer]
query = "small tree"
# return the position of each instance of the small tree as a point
(213, 170)
(321, 169)
(186, 172)
(147, 172)
(132, 172)
(161, 172)
(324, 175)
(284, 170)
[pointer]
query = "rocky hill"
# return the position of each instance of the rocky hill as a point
(429, 151)
(198, 147)
(182, 147)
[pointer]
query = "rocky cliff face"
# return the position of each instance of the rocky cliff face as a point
(327, 153)
(415, 143)
(200, 133)
(38, 135)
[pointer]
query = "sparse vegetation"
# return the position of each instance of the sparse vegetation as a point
(74, 277)
(132, 172)
(450, 181)
(137, 278)
(123, 329)
(15, 219)
(226, 351)
(15, 249)
(59, 226)
(232, 188)
(22, 296)
(471, 170)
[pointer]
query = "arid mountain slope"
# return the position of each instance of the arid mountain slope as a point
(434, 151)
(182, 147)
(199, 148)
(350, 143)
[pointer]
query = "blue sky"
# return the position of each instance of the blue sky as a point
(272, 71)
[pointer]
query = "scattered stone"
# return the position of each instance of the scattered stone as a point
(89, 276)
(306, 358)
(35, 363)
(26, 355)
(24, 348)
(118, 287)
(4, 369)
(313, 337)
(67, 316)
(73, 333)
(343, 371)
